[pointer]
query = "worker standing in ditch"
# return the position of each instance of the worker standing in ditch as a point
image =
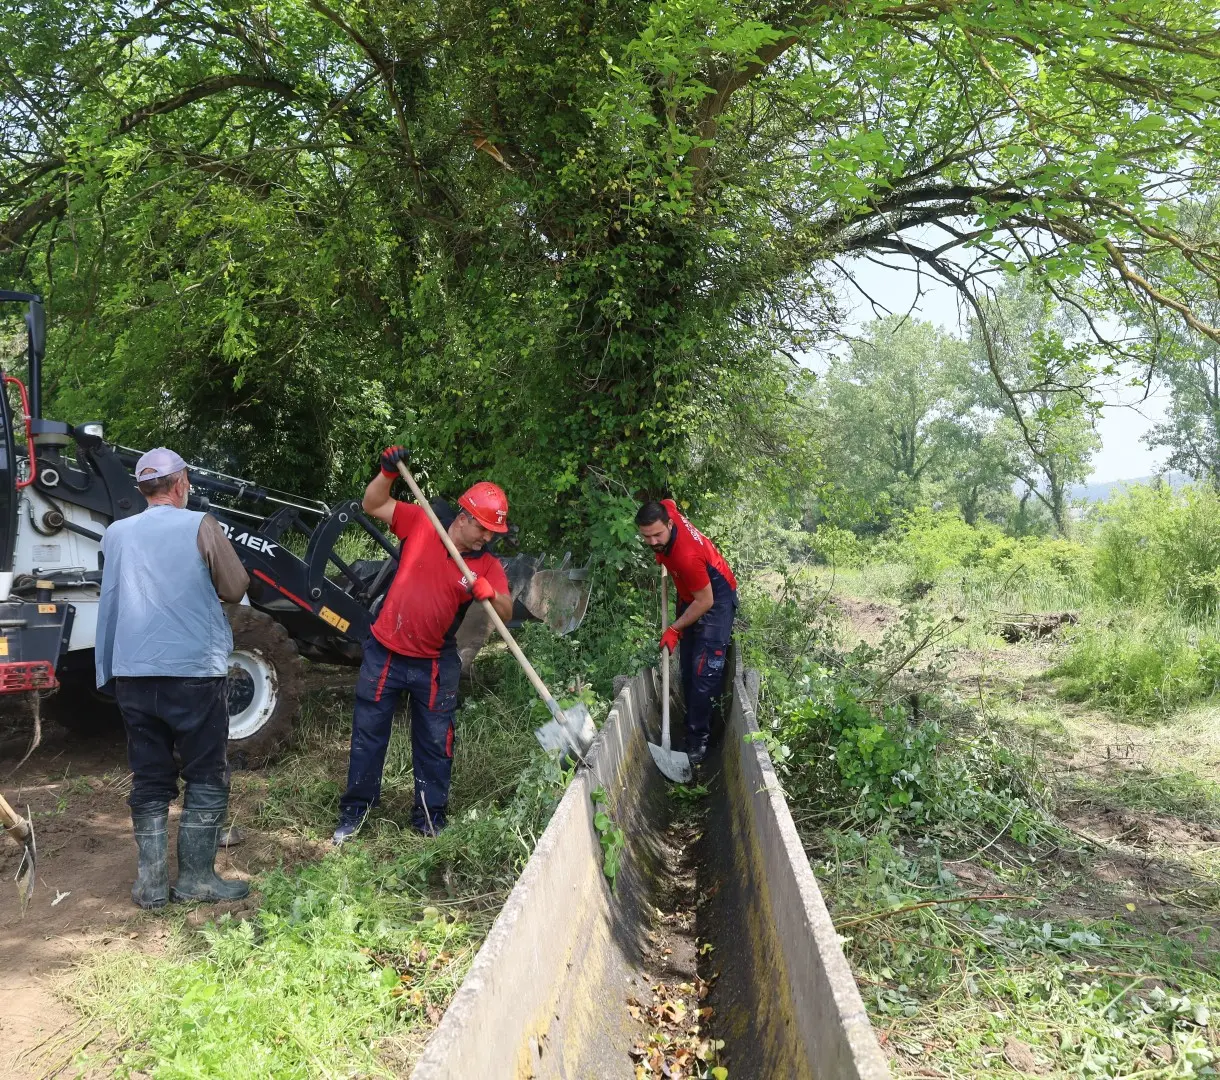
(707, 603)
(163, 644)
(412, 649)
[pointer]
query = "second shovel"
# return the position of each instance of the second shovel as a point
(674, 764)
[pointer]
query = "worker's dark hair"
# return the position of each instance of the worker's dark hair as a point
(651, 512)
(149, 488)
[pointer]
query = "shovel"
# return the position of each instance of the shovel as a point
(22, 830)
(571, 729)
(674, 764)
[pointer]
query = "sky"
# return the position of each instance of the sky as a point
(1124, 419)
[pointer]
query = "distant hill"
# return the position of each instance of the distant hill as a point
(1099, 493)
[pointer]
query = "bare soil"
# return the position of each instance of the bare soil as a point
(76, 790)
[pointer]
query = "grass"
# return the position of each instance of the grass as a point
(336, 976)
(1032, 950)
(350, 960)
(1180, 792)
(1142, 664)
(954, 987)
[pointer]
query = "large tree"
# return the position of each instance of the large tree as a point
(1036, 369)
(899, 425)
(1188, 362)
(558, 241)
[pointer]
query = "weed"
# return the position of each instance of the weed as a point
(299, 990)
(1160, 545)
(1147, 667)
(936, 845)
(962, 980)
(1179, 792)
(612, 838)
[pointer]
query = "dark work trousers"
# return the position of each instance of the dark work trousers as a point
(432, 686)
(165, 715)
(702, 656)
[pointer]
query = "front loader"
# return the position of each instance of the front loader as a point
(65, 484)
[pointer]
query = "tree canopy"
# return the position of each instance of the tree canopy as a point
(571, 246)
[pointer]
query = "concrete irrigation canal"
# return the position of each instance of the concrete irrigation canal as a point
(714, 926)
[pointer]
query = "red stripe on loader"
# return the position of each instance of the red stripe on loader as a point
(276, 585)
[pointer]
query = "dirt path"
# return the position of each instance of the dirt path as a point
(76, 790)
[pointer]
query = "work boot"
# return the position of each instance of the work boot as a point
(350, 820)
(231, 837)
(151, 829)
(696, 748)
(203, 811)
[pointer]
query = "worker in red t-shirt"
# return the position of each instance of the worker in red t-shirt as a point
(412, 649)
(707, 602)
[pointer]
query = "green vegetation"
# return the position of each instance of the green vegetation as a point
(598, 253)
(576, 249)
(1161, 547)
(609, 835)
(952, 826)
(337, 970)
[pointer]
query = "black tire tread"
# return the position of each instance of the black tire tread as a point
(254, 629)
(80, 709)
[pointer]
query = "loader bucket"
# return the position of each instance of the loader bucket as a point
(559, 598)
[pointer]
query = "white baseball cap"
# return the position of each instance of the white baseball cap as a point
(157, 463)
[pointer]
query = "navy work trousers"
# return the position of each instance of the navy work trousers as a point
(171, 720)
(705, 648)
(432, 687)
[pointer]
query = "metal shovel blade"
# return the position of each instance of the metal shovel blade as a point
(25, 869)
(674, 764)
(21, 829)
(576, 732)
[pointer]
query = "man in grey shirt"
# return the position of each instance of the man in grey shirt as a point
(162, 645)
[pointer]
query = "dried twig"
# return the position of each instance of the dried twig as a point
(927, 904)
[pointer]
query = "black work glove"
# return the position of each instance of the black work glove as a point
(390, 457)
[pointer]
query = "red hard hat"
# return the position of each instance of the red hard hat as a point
(487, 504)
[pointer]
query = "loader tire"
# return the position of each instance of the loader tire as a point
(80, 708)
(266, 682)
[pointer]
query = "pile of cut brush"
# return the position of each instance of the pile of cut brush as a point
(1023, 627)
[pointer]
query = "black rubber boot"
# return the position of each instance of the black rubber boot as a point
(696, 748)
(203, 813)
(151, 829)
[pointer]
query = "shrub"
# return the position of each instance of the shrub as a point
(931, 542)
(1141, 669)
(935, 545)
(1163, 546)
(838, 546)
(828, 739)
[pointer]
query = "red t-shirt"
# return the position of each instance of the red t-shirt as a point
(422, 609)
(693, 561)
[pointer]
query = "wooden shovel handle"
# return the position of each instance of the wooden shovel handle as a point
(14, 824)
(494, 615)
(664, 660)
